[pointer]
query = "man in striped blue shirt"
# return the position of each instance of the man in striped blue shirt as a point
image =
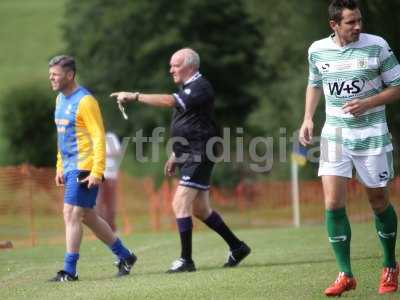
(358, 75)
(80, 167)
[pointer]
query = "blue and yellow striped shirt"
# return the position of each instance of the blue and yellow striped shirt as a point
(80, 133)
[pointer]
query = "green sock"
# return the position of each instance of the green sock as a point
(386, 227)
(339, 234)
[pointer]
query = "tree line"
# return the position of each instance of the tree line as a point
(254, 53)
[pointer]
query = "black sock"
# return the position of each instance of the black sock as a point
(215, 222)
(185, 227)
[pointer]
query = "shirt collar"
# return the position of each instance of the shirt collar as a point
(349, 45)
(77, 88)
(196, 76)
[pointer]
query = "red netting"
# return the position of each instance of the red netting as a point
(31, 204)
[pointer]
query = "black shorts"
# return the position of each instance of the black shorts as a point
(195, 173)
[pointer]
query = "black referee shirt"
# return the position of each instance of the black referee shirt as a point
(192, 117)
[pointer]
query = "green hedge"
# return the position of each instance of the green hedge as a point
(28, 133)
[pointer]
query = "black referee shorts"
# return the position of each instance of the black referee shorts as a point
(195, 173)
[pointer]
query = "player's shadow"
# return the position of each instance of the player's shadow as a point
(290, 263)
(241, 266)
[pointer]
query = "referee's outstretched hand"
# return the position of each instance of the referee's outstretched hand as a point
(123, 97)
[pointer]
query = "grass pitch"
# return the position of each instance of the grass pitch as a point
(285, 264)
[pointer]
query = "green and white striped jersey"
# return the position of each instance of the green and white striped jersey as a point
(355, 71)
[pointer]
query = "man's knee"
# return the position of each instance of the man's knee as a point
(183, 201)
(202, 211)
(203, 215)
(334, 200)
(333, 204)
(378, 199)
(85, 219)
(89, 216)
(67, 213)
(72, 214)
(334, 192)
(180, 206)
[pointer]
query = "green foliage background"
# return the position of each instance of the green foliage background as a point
(128, 44)
(27, 124)
(254, 52)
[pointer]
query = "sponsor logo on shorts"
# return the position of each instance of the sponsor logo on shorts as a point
(383, 176)
(337, 239)
(186, 178)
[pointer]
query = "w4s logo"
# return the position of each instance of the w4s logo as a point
(351, 87)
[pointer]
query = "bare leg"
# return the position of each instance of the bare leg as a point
(73, 216)
(183, 201)
(99, 227)
(335, 191)
(201, 205)
(103, 231)
(378, 199)
(106, 202)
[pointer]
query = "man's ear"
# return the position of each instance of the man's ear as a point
(333, 25)
(71, 75)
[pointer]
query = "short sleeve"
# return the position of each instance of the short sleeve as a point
(314, 76)
(389, 65)
(191, 96)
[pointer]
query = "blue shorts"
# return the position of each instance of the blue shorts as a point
(78, 194)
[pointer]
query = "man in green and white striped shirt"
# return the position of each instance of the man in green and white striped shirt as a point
(358, 74)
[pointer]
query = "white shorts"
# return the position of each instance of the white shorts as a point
(373, 171)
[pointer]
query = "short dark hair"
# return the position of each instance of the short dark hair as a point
(64, 61)
(337, 6)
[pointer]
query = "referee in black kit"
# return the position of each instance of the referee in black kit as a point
(192, 126)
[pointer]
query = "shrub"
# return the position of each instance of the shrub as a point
(27, 126)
